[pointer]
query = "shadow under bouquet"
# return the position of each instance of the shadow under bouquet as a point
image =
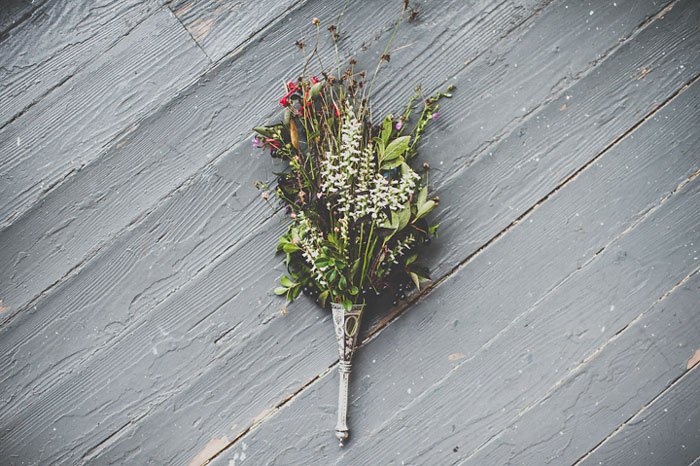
(353, 198)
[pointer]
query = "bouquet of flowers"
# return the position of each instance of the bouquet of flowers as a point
(356, 204)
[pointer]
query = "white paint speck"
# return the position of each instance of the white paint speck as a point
(244, 447)
(18, 141)
(242, 456)
(602, 330)
(408, 391)
(612, 307)
(590, 13)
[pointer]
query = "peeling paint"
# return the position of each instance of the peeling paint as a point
(3, 308)
(455, 356)
(693, 360)
(214, 446)
(200, 28)
(184, 9)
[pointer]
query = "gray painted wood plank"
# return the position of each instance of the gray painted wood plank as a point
(69, 129)
(598, 396)
(56, 42)
(231, 166)
(667, 431)
(448, 373)
(220, 26)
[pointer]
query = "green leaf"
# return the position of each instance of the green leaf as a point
(287, 282)
(323, 297)
(354, 290)
(267, 131)
(316, 90)
(347, 304)
(395, 148)
(354, 268)
(295, 291)
(332, 275)
(425, 209)
(432, 229)
(343, 282)
(422, 196)
(404, 215)
(280, 290)
(290, 247)
(287, 117)
(416, 280)
(386, 131)
(412, 259)
(392, 163)
(321, 262)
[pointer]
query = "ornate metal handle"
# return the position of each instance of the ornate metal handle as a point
(341, 429)
(347, 324)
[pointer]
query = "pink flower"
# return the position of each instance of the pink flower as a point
(265, 195)
(399, 125)
(257, 142)
(435, 115)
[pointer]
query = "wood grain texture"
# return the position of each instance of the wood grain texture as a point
(220, 26)
(667, 431)
(69, 129)
(619, 380)
(55, 41)
(170, 281)
(504, 322)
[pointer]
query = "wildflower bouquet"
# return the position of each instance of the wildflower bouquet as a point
(356, 204)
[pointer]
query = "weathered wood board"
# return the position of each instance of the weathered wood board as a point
(71, 126)
(137, 320)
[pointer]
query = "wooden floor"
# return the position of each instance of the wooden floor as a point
(137, 322)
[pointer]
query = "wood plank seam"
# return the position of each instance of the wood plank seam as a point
(676, 381)
(517, 122)
(583, 363)
(399, 311)
(271, 412)
(211, 62)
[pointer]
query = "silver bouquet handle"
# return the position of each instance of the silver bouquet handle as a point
(347, 325)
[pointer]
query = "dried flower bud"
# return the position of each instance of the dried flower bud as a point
(265, 195)
(386, 57)
(293, 215)
(413, 14)
(316, 21)
(353, 61)
(336, 229)
(426, 165)
(331, 28)
(299, 44)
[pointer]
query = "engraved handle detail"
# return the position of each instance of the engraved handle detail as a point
(347, 324)
(341, 429)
